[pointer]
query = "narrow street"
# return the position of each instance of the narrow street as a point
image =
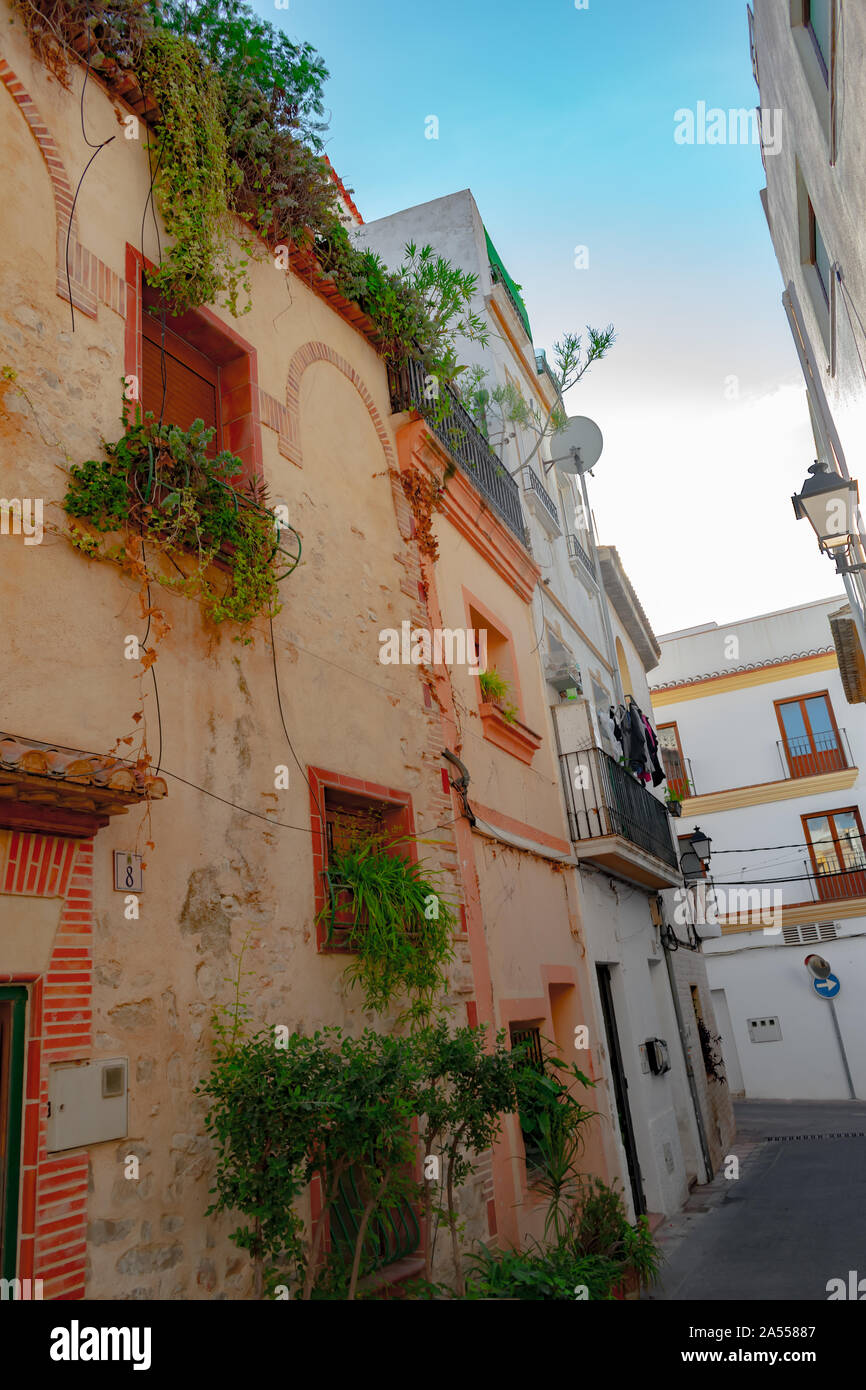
(794, 1219)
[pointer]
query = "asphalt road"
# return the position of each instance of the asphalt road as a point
(794, 1219)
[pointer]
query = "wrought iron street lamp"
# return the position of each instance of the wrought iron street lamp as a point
(828, 502)
(695, 860)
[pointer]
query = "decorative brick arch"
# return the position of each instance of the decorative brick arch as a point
(290, 435)
(60, 185)
(90, 278)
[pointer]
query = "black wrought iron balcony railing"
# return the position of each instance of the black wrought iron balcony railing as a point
(577, 552)
(810, 755)
(532, 483)
(451, 422)
(603, 799)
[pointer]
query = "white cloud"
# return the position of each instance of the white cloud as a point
(697, 500)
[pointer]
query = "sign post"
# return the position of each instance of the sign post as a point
(827, 985)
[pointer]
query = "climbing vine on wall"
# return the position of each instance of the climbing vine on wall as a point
(156, 495)
(193, 177)
(238, 125)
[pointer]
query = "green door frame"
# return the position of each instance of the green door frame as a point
(16, 995)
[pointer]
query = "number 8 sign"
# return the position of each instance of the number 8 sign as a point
(127, 872)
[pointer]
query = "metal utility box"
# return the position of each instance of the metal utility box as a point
(87, 1103)
(765, 1029)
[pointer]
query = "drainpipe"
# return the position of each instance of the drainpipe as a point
(690, 1075)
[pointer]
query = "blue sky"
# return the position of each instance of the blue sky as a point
(561, 121)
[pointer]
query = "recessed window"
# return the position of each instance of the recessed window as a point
(817, 18)
(500, 657)
(351, 818)
(529, 1037)
(813, 32)
(816, 262)
(179, 384)
(818, 254)
(192, 366)
(393, 1232)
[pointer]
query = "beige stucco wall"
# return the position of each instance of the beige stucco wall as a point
(216, 875)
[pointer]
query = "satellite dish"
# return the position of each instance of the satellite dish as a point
(578, 447)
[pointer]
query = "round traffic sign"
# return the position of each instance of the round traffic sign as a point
(829, 988)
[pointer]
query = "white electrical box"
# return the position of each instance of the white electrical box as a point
(87, 1103)
(765, 1029)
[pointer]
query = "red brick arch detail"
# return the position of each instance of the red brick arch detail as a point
(60, 185)
(290, 440)
(92, 281)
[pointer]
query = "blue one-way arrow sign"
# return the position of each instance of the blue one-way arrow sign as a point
(829, 988)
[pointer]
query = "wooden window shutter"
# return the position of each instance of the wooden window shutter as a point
(191, 382)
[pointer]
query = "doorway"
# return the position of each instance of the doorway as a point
(620, 1087)
(729, 1043)
(13, 1002)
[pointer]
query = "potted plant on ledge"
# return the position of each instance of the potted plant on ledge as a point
(673, 802)
(392, 916)
(495, 690)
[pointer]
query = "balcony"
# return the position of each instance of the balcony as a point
(579, 560)
(615, 822)
(833, 885)
(678, 772)
(454, 427)
(808, 767)
(811, 756)
(540, 501)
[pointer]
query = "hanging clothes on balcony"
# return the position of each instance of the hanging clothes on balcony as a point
(652, 743)
(629, 730)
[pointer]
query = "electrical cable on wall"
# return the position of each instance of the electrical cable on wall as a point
(96, 149)
(303, 770)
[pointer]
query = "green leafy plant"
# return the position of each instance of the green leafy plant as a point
(469, 1082)
(246, 49)
(554, 1119)
(157, 487)
(402, 929)
(285, 1109)
(192, 176)
(541, 1273)
(602, 1228)
(590, 1258)
(506, 406)
(496, 689)
(240, 133)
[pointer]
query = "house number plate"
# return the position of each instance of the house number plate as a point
(127, 872)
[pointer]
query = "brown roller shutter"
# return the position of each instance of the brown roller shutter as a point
(191, 382)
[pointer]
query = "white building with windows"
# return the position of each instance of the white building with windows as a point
(807, 58)
(767, 753)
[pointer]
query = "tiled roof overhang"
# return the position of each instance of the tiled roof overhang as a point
(44, 786)
(628, 607)
(849, 654)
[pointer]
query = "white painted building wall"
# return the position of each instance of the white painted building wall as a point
(820, 161)
(730, 738)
